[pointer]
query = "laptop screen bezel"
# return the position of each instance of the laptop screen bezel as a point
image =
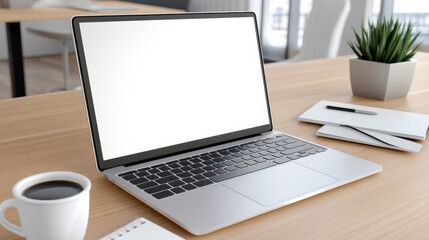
(170, 150)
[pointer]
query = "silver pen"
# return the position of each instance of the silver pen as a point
(350, 110)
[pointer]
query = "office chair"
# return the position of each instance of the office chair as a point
(323, 30)
(64, 35)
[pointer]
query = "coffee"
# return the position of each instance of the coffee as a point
(52, 190)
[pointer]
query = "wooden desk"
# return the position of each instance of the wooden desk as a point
(50, 132)
(13, 17)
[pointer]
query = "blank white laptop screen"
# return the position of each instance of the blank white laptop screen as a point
(160, 83)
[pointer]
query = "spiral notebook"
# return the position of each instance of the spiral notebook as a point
(141, 228)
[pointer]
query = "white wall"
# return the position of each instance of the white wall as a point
(360, 12)
(34, 45)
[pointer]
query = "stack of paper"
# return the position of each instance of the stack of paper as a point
(384, 129)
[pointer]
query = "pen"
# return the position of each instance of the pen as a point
(351, 110)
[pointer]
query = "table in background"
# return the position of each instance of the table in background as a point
(50, 132)
(14, 17)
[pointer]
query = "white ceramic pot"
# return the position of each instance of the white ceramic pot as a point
(381, 81)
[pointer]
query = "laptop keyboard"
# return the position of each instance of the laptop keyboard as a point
(176, 177)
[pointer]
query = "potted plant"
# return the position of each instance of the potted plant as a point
(383, 68)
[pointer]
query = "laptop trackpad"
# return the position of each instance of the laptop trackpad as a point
(280, 183)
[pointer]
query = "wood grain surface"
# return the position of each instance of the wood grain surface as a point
(50, 133)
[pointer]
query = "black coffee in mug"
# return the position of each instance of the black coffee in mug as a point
(52, 190)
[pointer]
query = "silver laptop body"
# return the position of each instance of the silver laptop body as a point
(179, 116)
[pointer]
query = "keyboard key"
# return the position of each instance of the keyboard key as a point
(237, 154)
(273, 140)
(293, 157)
(188, 180)
(255, 155)
(228, 157)
(142, 174)
(209, 168)
(243, 147)
(294, 145)
(139, 180)
(259, 160)
(199, 177)
(290, 140)
(202, 183)
(166, 179)
(185, 163)
(197, 171)
(176, 183)
(252, 145)
(247, 157)
(264, 153)
(228, 163)
(241, 165)
(231, 168)
(277, 155)
(269, 157)
(220, 171)
(176, 171)
(196, 165)
(209, 174)
(246, 152)
(272, 145)
(263, 147)
(237, 160)
(205, 157)
(195, 160)
(214, 155)
(152, 177)
(250, 162)
(259, 143)
(162, 194)
(177, 190)
(126, 173)
(242, 171)
(218, 165)
(154, 170)
(147, 185)
(281, 143)
(254, 150)
(164, 174)
(129, 177)
(297, 149)
(189, 187)
(282, 160)
(224, 152)
(208, 162)
(175, 165)
(164, 168)
(186, 169)
(304, 154)
(280, 148)
(234, 150)
(184, 174)
(157, 188)
(272, 150)
(218, 160)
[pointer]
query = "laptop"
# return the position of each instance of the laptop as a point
(179, 116)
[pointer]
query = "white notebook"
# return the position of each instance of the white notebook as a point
(141, 229)
(396, 123)
(348, 134)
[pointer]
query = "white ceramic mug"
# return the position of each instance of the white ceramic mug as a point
(59, 219)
